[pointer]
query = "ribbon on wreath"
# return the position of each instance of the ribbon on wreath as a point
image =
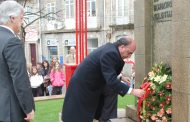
(146, 87)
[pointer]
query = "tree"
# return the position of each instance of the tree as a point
(39, 13)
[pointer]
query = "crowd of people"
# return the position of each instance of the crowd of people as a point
(48, 79)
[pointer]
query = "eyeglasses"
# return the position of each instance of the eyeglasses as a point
(129, 52)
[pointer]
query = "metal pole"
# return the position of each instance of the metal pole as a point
(86, 39)
(80, 21)
(77, 43)
(82, 30)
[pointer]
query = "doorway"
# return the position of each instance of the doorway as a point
(33, 54)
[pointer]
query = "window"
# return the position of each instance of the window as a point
(52, 52)
(92, 45)
(122, 7)
(91, 7)
(29, 16)
(28, 10)
(69, 5)
(51, 10)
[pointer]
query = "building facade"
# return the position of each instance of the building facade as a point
(50, 30)
(107, 20)
(32, 29)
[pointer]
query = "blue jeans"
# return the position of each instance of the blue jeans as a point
(50, 88)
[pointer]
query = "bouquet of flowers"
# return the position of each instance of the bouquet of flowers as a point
(155, 106)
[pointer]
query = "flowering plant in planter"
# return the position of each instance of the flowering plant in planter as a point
(155, 106)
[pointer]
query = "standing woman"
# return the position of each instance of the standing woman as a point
(53, 61)
(57, 78)
(45, 73)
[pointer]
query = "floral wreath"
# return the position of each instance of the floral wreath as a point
(155, 105)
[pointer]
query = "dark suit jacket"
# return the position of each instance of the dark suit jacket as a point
(98, 69)
(15, 92)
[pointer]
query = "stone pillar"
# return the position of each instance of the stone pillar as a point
(181, 61)
(143, 53)
(143, 35)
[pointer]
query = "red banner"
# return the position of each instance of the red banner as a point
(145, 86)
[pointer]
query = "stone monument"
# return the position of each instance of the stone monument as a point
(162, 33)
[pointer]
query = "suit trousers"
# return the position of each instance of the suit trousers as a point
(107, 107)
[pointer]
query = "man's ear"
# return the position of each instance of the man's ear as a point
(11, 18)
(122, 46)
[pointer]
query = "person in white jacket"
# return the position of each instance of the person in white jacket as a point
(36, 80)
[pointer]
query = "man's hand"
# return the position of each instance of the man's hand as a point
(30, 116)
(138, 92)
(125, 79)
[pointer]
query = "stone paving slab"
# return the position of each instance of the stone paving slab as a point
(122, 120)
(121, 116)
(121, 112)
(119, 120)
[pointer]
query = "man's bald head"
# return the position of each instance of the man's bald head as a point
(126, 46)
(72, 50)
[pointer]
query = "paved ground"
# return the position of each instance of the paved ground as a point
(121, 117)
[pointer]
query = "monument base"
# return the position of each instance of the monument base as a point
(131, 112)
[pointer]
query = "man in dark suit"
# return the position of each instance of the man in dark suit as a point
(97, 70)
(16, 100)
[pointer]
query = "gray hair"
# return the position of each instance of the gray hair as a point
(9, 8)
(123, 41)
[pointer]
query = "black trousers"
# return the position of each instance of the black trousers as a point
(36, 91)
(107, 107)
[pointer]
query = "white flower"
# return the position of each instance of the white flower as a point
(152, 85)
(157, 78)
(151, 75)
(163, 79)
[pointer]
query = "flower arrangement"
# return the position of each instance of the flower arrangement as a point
(156, 104)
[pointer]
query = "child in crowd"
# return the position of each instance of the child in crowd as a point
(36, 80)
(53, 61)
(45, 73)
(57, 78)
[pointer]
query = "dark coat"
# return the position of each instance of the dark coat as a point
(98, 69)
(15, 92)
